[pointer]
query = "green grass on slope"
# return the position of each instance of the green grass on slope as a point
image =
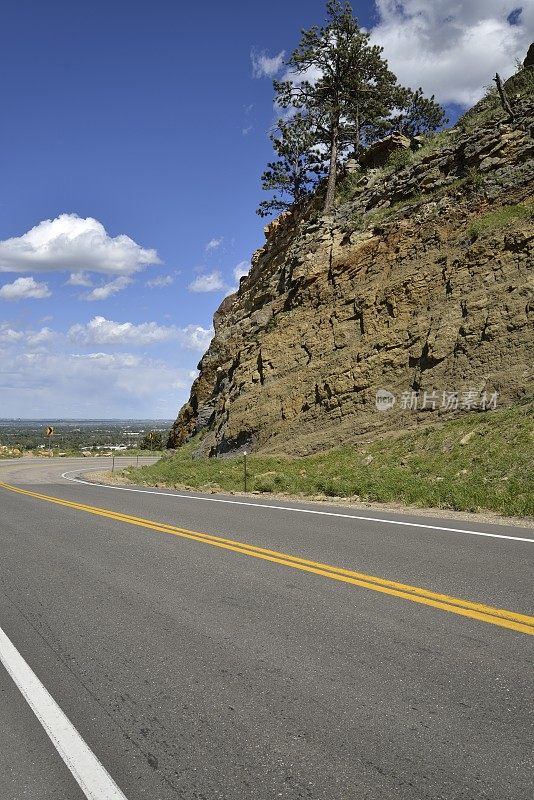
(506, 216)
(480, 461)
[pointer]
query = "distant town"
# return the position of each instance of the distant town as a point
(85, 437)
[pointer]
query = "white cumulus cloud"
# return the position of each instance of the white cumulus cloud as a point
(160, 281)
(79, 279)
(41, 338)
(73, 244)
(45, 372)
(453, 48)
(14, 343)
(240, 270)
(101, 331)
(24, 289)
(105, 331)
(25, 338)
(93, 384)
(194, 337)
(265, 66)
(108, 289)
(10, 336)
(210, 282)
(213, 244)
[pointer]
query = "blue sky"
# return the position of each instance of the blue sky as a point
(140, 131)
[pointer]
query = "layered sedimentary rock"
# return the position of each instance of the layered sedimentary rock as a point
(420, 284)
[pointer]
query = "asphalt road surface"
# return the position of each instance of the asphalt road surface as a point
(177, 645)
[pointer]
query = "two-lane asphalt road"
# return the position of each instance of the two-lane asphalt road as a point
(191, 646)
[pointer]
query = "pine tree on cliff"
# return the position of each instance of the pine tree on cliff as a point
(295, 173)
(347, 98)
(416, 113)
(341, 80)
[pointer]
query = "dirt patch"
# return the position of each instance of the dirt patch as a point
(107, 478)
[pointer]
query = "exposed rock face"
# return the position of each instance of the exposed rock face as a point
(378, 153)
(414, 285)
(528, 63)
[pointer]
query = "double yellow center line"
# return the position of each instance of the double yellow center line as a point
(495, 616)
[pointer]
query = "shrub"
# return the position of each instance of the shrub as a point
(269, 482)
(399, 159)
(474, 177)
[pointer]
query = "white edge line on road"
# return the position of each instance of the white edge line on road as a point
(91, 776)
(67, 477)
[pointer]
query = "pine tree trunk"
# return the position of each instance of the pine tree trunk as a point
(357, 147)
(504, 98)
(332, 172)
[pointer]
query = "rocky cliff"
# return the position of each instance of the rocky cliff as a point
(419, 283)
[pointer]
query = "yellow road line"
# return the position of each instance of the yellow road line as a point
(495, 616)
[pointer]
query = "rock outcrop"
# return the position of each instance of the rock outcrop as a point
(419, 284)
(377, 154)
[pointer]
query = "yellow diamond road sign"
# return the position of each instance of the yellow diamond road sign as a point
(50, 431)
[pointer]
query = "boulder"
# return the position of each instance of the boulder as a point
(378, 153)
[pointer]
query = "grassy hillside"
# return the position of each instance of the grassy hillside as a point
(480, 461)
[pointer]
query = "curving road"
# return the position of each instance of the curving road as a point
(179, 645)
